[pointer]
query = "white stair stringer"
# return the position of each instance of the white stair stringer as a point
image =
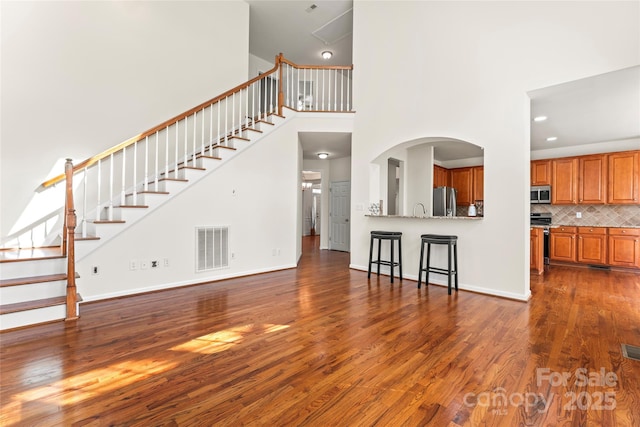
(123, 218)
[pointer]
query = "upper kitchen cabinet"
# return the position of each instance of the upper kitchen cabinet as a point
(478, 183)
(440, 176)
(541, 172)
(624, 169)
(592, 179)
(564, 181)
(462, 181)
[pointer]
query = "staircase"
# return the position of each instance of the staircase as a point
(124, 184)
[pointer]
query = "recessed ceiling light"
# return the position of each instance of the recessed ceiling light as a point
(327, 54)
(540, 118)
(323, 155)
(552, 138)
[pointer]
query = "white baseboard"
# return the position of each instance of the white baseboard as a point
(164, 286)
(461, 286)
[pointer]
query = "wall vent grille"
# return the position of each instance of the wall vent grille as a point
(631, 352)
(212, 248)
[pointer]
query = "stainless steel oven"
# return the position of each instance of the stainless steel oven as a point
(543, 219)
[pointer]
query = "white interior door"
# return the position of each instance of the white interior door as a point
(339, 212)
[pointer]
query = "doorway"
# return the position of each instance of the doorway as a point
(339, 216)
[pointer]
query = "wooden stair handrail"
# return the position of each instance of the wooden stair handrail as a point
(133, 140)
(278, 62)
(69, 231)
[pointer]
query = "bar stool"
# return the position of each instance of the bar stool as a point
(452, 246)
(391, 236)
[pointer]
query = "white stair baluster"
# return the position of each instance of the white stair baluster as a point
(195, 131)
(323, 90)
(186, 142)
(233, 113)
(111, 195)
(166, 152)
(146, 163)
(201, 138)
(177, 144)
(135, 168)
(99, 196)
(84, 203)
(210, 128)
(226, 113)
(124, 175)
(348, 90)
(156, 169)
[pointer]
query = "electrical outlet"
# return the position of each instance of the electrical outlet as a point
(233, 255)
(95, 270)
(133, 265)
(166, 262)
(155, 264)
(578, 214)
(273, 252)
(144, 265)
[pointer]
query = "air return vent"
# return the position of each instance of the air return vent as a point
(631, 352)
(212, 248)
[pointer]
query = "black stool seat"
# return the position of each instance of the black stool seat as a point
(452, 246)
(391, 236)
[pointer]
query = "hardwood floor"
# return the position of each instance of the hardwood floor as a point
(321, 345)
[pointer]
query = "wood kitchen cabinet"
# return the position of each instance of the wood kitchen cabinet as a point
(440, 176)
(462, 181)
(541, 172)
(564, 181)
(562, 244)
(592, 179)
(624, 247)
(592, 245)
(478, 183)
(536, 250)
(624, 171)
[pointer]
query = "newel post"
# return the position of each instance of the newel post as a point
(70, 224)
(280, 90)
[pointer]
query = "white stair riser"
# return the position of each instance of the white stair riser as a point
(124, 214)
(21, 293)
(32, 317)
(148, 199)
(12, 270)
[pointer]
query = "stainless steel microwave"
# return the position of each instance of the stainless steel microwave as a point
(541, 194)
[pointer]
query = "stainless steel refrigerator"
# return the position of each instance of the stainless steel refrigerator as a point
(444, 201)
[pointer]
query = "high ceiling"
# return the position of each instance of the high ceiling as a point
(596, 109)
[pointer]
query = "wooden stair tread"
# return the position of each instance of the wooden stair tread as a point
(204, 156)
(28, 254)
(80, 237)
(221, 146)
(239, 137)
(32, 305)
(34, 279)
(172, 179)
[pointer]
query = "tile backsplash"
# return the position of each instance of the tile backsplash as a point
(593, 215)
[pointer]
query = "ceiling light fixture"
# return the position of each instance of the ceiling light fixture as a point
(323, 156)
(327, 54)
(540, 118)
(552, 138)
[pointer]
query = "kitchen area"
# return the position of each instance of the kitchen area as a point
(585, 212)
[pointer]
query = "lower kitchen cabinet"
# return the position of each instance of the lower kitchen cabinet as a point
(562, 244)
(624, 247)
(536, 262)
(592, 245)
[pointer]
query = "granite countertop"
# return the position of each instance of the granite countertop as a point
(427, 217)
(585, 225)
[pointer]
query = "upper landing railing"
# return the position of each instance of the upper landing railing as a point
(117, 175)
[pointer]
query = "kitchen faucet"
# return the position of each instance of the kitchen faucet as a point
(424, 211)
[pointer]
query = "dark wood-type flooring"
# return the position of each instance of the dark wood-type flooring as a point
(321, 345)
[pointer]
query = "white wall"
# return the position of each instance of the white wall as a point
(256, 194)
(258, 65)
(462, 70)
(80, 77)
